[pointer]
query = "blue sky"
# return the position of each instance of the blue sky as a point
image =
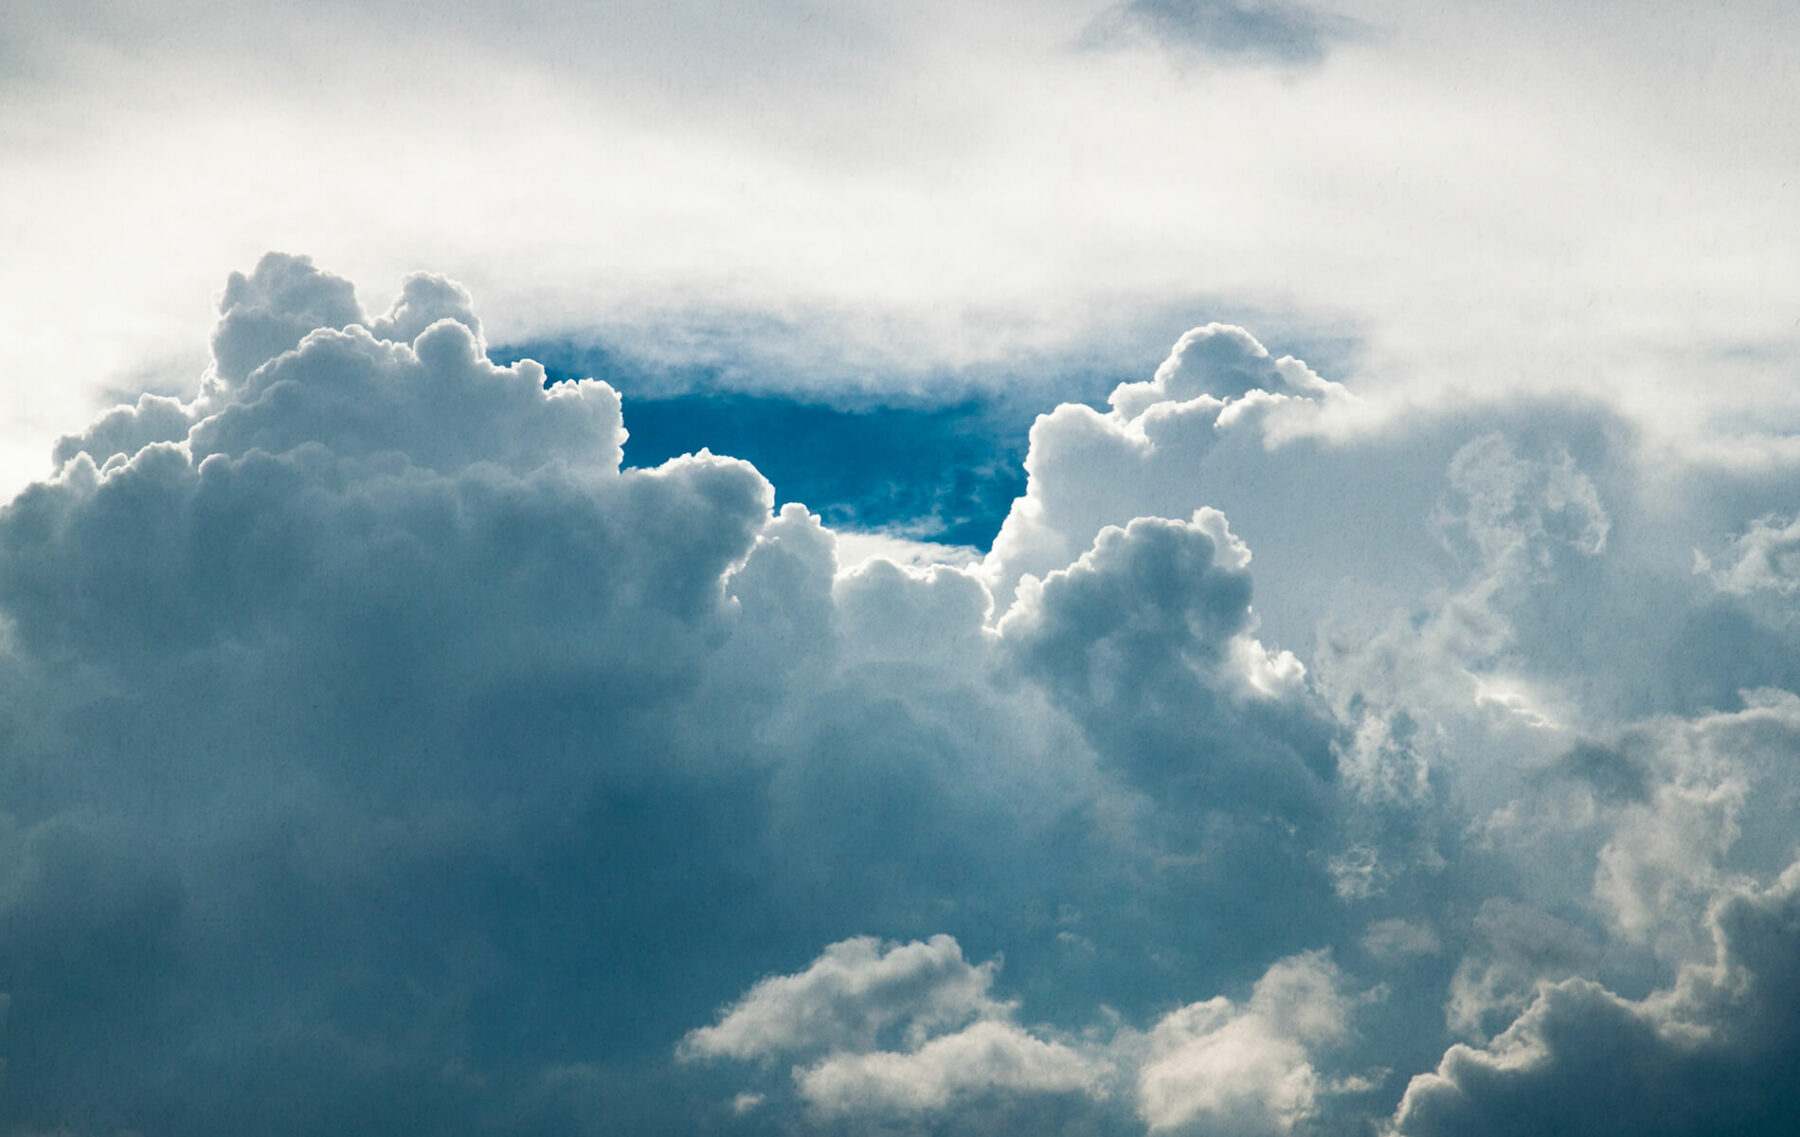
(1165, 568)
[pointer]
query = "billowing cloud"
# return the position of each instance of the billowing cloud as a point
(379, 751)
(1715, 1052)
(1143, 458)
(1214, 1067)
(849, 996)
(898, 1029)
(984, 1057)
(1147, 639)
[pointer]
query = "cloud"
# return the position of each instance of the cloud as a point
(1147, 639)
(1715, 1052)
(268, 312)
(1518, 948)
(305, 687)
(1215, 1067)
(1225, 30)
(390, 679)
(903, 1029)
(983, 1057)
(1145, 457)
(849, 996)
(1765, 558)
(1395, 939)
(1705, 812)
(378, 751)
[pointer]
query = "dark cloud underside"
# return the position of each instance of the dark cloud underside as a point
(387, 744)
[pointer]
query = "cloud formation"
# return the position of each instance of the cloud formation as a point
(1259, 31)
(378, 752)
(895, 1029)
(1214, 1067)
(1715, 1052)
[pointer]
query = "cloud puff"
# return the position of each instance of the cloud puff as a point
(1215, 1067)
(983, 1057)
(268, 312)
(377, 753)
(1144, 457)
(1716, 1052)
(1764, 558)
(849, 996)
(904, 1028)
(1147, 638)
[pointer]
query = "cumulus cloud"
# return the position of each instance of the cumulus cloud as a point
(321, 671)
(901, 1029)
(1143, 458)
(849, 996)
(1215, 1067)
(1147, 638)
(377, 752)
(268, 312)
(983, 1057)
(1715, 1052)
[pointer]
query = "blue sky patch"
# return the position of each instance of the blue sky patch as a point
(940, 472)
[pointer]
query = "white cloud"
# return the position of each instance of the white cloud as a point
(983, 1057)
(1764, 558)
(1395, 939)
(1143, 458)
(971, 188)
(849, 996)
(899, 1029)
(1216, 1067)
(1213, 1066)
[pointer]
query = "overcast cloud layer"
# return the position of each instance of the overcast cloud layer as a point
(378, 755)
(1457, 200)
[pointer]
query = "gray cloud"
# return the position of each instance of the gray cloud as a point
(376, 753)
(1229, 30)
(1716, 1052)
(406, 708)
(1214, 1067)
(1147, 639)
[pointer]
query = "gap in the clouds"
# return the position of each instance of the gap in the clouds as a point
(928, 452)
(944, 474)
(944, 471)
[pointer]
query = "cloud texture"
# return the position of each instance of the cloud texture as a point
(379, 754)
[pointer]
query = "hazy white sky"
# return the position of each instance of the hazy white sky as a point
(1487, 196)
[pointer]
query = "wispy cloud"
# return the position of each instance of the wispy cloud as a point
(1225, 31)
